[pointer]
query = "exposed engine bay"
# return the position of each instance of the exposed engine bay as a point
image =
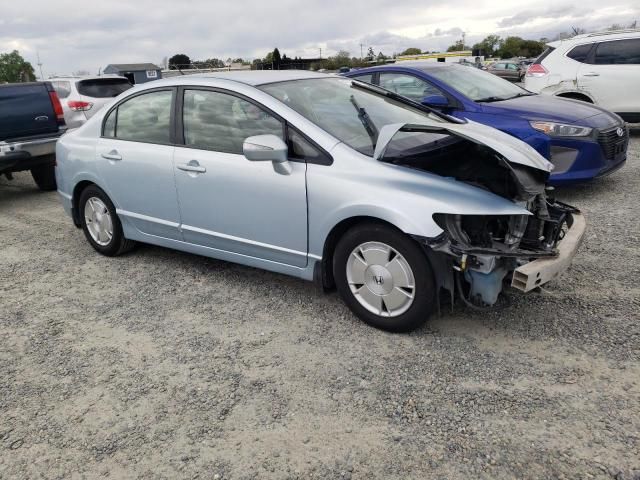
(484, 250)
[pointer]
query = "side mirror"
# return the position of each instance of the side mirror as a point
(265, 148)
(436, 101)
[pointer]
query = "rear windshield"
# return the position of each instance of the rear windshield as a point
(103, 87)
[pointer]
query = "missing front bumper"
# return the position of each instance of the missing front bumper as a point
(541, 271)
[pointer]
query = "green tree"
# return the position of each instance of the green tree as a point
(412, 51)
(276, 58)
(510, 47)
(458, 46)
(179, 61)
(14, 68)
(488, 46)
(370, 54)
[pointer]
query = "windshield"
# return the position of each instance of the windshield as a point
(476, 84)
(351, 114)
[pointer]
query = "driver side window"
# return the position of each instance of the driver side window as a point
(408, 86)
(221, 122)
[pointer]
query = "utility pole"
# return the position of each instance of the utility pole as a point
(361, 45)
(463, 38)
(39, 66)
(320, 48)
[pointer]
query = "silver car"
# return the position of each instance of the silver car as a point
(323, 178)
(82, 97)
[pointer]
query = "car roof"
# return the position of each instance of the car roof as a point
(250, 77)
(597, 37)
(422, 65)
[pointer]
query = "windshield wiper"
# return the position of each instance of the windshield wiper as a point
(491, 99)
(368, 125)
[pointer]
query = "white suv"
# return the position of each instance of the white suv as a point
(82, 97)
(601, 68)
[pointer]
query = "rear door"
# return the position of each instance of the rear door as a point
(135, 159)
(100, 91)
(26, 110)
(612, 75)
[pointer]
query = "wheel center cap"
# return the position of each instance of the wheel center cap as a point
(378, 279)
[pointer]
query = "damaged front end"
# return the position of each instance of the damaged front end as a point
(485, 250)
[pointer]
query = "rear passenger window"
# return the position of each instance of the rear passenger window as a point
(221, 122)
(618, 52)
(143, 118)
(408, 86)
(580, 53)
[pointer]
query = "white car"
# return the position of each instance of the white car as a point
(82, 97)
(601, 68)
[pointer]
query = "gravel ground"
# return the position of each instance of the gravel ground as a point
(160, 364)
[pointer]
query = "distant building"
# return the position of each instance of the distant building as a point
(445, 57)
(135, 72)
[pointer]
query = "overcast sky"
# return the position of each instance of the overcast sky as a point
(72, 35)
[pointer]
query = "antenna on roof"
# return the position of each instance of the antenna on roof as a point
(39, 65)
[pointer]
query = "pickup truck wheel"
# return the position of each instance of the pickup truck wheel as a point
(101, 224)
(384, 277)
(45, 177)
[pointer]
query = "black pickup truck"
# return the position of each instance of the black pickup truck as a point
(31, 121)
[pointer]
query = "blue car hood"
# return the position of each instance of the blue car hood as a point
(542, 107)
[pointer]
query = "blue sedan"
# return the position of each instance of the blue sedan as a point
(583, 141)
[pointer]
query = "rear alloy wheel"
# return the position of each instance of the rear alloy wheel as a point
(101, 224)
(384, 277)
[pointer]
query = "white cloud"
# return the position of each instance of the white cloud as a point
(72, 35)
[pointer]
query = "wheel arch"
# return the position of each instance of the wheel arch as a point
(334, 236)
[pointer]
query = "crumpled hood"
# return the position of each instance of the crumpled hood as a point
(514, 150)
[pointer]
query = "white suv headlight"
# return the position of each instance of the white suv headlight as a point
(561, 130)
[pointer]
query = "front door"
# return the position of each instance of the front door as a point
(135, 160)
(228, 202)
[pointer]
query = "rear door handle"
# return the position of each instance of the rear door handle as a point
(192, 166)
(591, 74)
(112, 155)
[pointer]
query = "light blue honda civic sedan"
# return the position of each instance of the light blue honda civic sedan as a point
(324, 178)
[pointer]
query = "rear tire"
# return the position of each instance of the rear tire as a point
(45, 177)
(384, 277)
(100, 223)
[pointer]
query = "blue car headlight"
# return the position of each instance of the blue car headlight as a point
(561, 130)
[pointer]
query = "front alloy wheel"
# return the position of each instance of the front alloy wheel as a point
(98, 221)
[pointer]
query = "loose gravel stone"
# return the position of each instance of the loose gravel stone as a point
(161, 364)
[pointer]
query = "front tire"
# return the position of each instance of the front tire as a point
(101, 224)
(384, 277)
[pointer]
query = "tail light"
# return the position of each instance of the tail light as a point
(79, 106)
(537, 70)
(57, 107)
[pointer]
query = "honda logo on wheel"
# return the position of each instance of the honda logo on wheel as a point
(378, 279)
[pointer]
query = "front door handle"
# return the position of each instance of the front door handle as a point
(591, 74)
(112, 155)
(192, 166)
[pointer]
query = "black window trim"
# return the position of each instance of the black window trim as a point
(172, 116)
(178, 131)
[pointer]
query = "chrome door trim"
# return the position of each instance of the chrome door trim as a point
(147, 218)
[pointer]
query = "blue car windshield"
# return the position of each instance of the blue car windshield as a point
(352, 115)
(475, 84)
